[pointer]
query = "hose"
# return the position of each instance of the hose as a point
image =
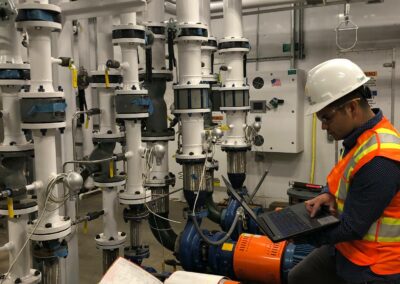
(214, 211)
(225, 238)
(313, 147)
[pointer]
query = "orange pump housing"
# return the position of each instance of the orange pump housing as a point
(257, 258)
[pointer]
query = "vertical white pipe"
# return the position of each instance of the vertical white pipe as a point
(45, 168)
(131, 72)
(205, 15)
(155, 11)
(106, 105)
(189, 62)
(17, 232)
(9, 45)
(135, 167)
(192, 133)
(12, 120)
(188, 11)
(84, 43)
(109, 206)
(128, 19)
(104, 38)
(40, 60)
(233, 26)
(234, 75)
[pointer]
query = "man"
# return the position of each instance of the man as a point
(363, 188)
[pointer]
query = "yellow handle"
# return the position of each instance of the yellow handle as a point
(74, 78)
(224, 127)
(107, 79)
(87, 122)
(85, 227)
(111, 168)
(10, 206)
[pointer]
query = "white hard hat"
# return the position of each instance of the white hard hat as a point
(331, 80)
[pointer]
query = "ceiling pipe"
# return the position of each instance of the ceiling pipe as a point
(286, 5)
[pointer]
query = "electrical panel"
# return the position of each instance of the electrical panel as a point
(277, 101)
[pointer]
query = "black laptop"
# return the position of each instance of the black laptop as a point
(288, 222)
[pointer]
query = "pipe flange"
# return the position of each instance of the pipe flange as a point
(190, 159)
(137, 254)
(131, 104)
(210, 78)
(132, 34)
(23, 207)
(43, 110)
(50, 231)
(134, 199)
(14, 74)
(236, 148)
(192, 98)
(36, 15)
(98, 79)
(108, 137)
(234, 45)
(236, 98)
(210, 44)
(26, 149)
(39, 126)
(41, 95)
(158, 30)
(108, 182)
(110, 243)
(191, 32)
(33, 277)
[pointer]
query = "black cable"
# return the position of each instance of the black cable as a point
(149, 65)
(171, 54)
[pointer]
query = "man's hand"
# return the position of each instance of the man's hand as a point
(314, 205)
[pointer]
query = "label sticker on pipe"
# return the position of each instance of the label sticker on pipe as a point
(227, 246)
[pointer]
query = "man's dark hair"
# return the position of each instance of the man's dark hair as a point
(361, 93)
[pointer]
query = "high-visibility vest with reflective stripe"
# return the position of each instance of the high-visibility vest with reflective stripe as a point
(380, 247)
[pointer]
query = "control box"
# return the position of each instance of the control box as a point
(277, 101)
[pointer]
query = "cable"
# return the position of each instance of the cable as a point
(48, 191)
(221, 241)
(159, 216)
(313, 147)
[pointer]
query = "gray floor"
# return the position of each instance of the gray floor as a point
(90, 258)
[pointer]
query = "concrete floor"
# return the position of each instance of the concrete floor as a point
(90, 258)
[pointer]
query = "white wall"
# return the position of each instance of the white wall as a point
(379, 27)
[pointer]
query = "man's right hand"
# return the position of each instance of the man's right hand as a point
(314, 205)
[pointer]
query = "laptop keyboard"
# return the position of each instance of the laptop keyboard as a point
(287, 222)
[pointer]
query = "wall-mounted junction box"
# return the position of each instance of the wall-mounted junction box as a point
(277, 99)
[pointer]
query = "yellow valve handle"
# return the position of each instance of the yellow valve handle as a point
(10, 207)
(87, 122)
(85, 227)
(74, 78)
(107, 79)
(224, 127)
(219, 78)
(111, 168)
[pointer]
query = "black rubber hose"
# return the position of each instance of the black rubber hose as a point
(214, 212)
(149, 65)
(162, 231)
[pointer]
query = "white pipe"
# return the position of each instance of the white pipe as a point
(234, 75)
(7, 247)
(107, 116)
(192, 133)
(45, 168)
(12, 121)
(40, 59)
(188, 11)
(205, 15)
(158, 54)
(206, 60)
(233, 26)
(135, 163)
(84, 42)
(105, 48)
(130, 66)
(17, 232)
(189, 62)
(155, 11)
(128, 19)
(9, 43)
(236, 120)
(110, 206)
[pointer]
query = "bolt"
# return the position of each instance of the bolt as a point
(111, 239)
(18, 280)
(48, 225)
(121, 191)
(62, 129)
(66, 218)
(137, 192)
(109, 132)
(37, 273)
(97, 237)
(41, 89)
(191, 153)
(60, 89)
(123, 234)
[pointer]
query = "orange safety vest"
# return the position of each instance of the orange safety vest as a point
(380, 247)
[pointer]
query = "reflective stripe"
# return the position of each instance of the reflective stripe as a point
(383, 138)
(389, 230)
(375, 147)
